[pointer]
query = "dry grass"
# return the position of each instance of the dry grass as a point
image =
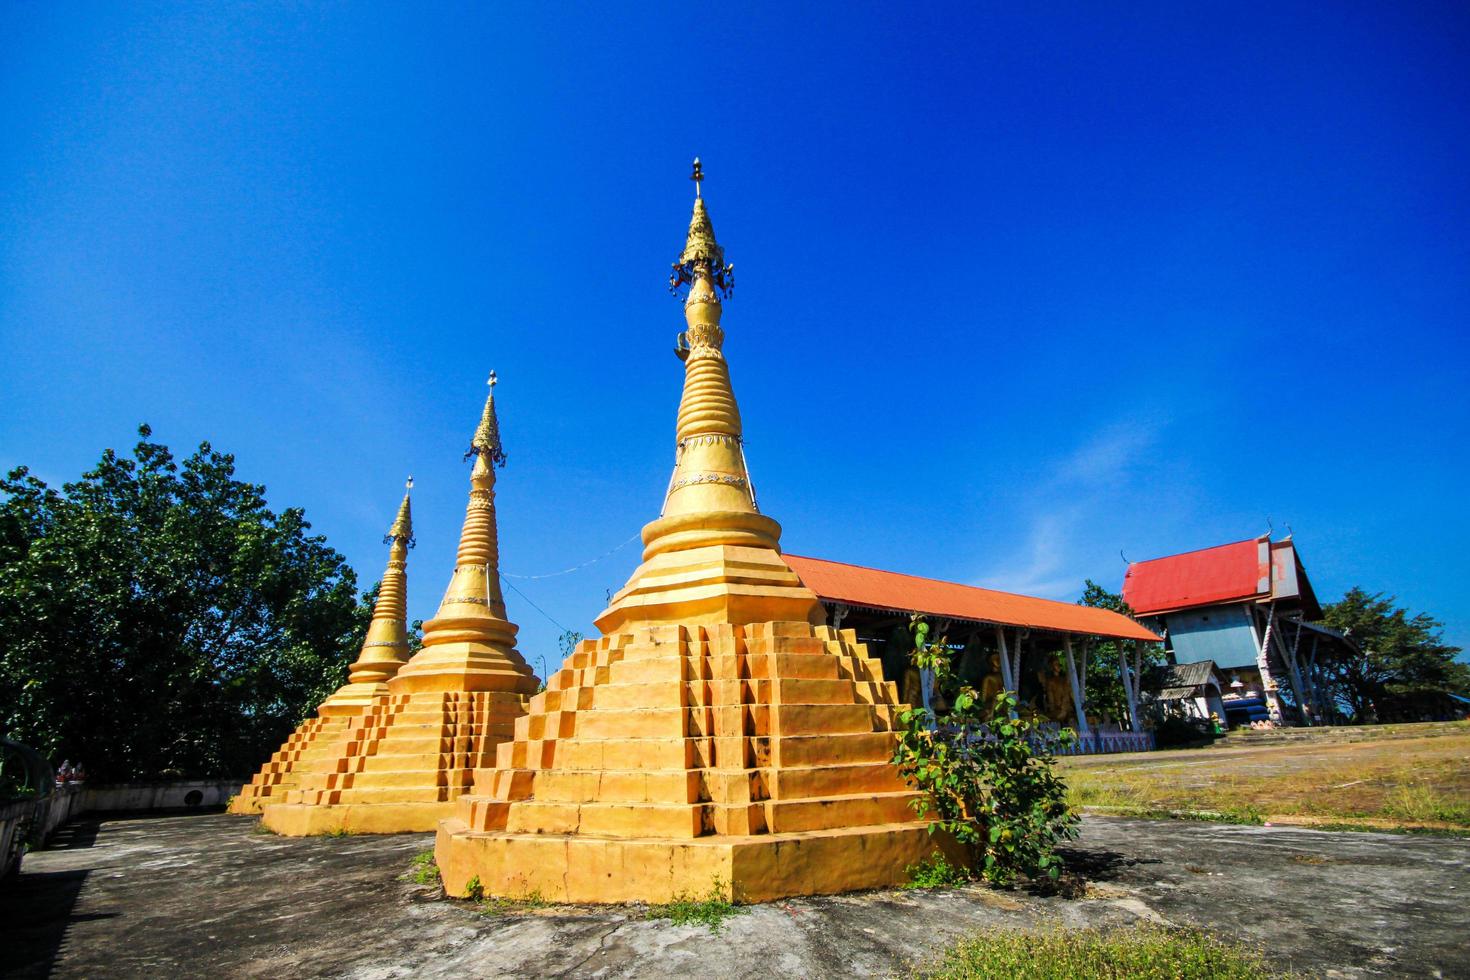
(1140, 951)
(1412, 782)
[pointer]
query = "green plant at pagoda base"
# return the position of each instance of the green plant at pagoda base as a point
(988, 779)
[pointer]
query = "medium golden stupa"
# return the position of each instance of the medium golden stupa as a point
(384, 651)
(401, 764)
(717, 731)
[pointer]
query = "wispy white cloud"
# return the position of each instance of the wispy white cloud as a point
(1083, 487)
(1110, 455)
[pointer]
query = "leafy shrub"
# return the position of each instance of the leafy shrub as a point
(988, 778)
(936, 872)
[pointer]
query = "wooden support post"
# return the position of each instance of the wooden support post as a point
(1021, 636)
(1319, 701)
(1298, 684)
(1082, 668)
(1076, 687)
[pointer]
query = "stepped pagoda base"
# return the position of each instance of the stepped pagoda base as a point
(398, 768)
(755, 868)
(662, 758)
(311, 743)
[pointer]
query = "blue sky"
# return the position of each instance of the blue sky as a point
(1017, 293)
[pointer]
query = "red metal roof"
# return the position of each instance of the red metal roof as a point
(855, 585)
(1226, 573)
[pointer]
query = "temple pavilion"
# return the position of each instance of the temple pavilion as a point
(1245, 610)
(1033, 647)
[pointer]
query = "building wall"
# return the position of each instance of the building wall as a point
(1219, 633)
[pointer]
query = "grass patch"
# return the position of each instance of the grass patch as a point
(936, 872)
(1420, 802)
(712, 910)
(1143, 952)
(1403, 781)
(500, 906)
(339, 832)
(424, 871)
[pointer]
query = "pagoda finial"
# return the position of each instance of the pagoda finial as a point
(486, 443)
(702, 258)
(402, 530)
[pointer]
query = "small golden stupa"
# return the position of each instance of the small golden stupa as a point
(384, 651)
(401, 764)
(717, 732)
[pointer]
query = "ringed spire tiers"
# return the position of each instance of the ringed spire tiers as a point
(711, 555)
(718, 730)
(469, 644)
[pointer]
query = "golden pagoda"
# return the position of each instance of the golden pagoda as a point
(384, 651)
(404, 762)
(717, 731)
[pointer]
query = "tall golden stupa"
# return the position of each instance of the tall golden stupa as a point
(717, 731)
(384, 651)
(401, 764)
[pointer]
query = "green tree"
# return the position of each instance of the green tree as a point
(1104, 693)
(1402, 654)
(156, 617)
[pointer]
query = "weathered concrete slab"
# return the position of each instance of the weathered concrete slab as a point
(209, 895)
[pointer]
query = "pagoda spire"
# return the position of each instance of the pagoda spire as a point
(709, 461)
(385, 648)
(710, 501)
(470, 643)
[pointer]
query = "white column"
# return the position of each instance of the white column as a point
(1076, 687)
(1268, 683)
(1130, 687)
(1005, 659)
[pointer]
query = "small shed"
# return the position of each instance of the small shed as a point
(1196, 689)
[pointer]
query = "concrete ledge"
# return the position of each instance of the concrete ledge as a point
(595, 870)
(303, 820)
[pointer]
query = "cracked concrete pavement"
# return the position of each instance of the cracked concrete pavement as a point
(201, 894)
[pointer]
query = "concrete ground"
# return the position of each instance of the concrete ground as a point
(204, 895)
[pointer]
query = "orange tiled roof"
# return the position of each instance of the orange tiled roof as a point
(855, 585)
